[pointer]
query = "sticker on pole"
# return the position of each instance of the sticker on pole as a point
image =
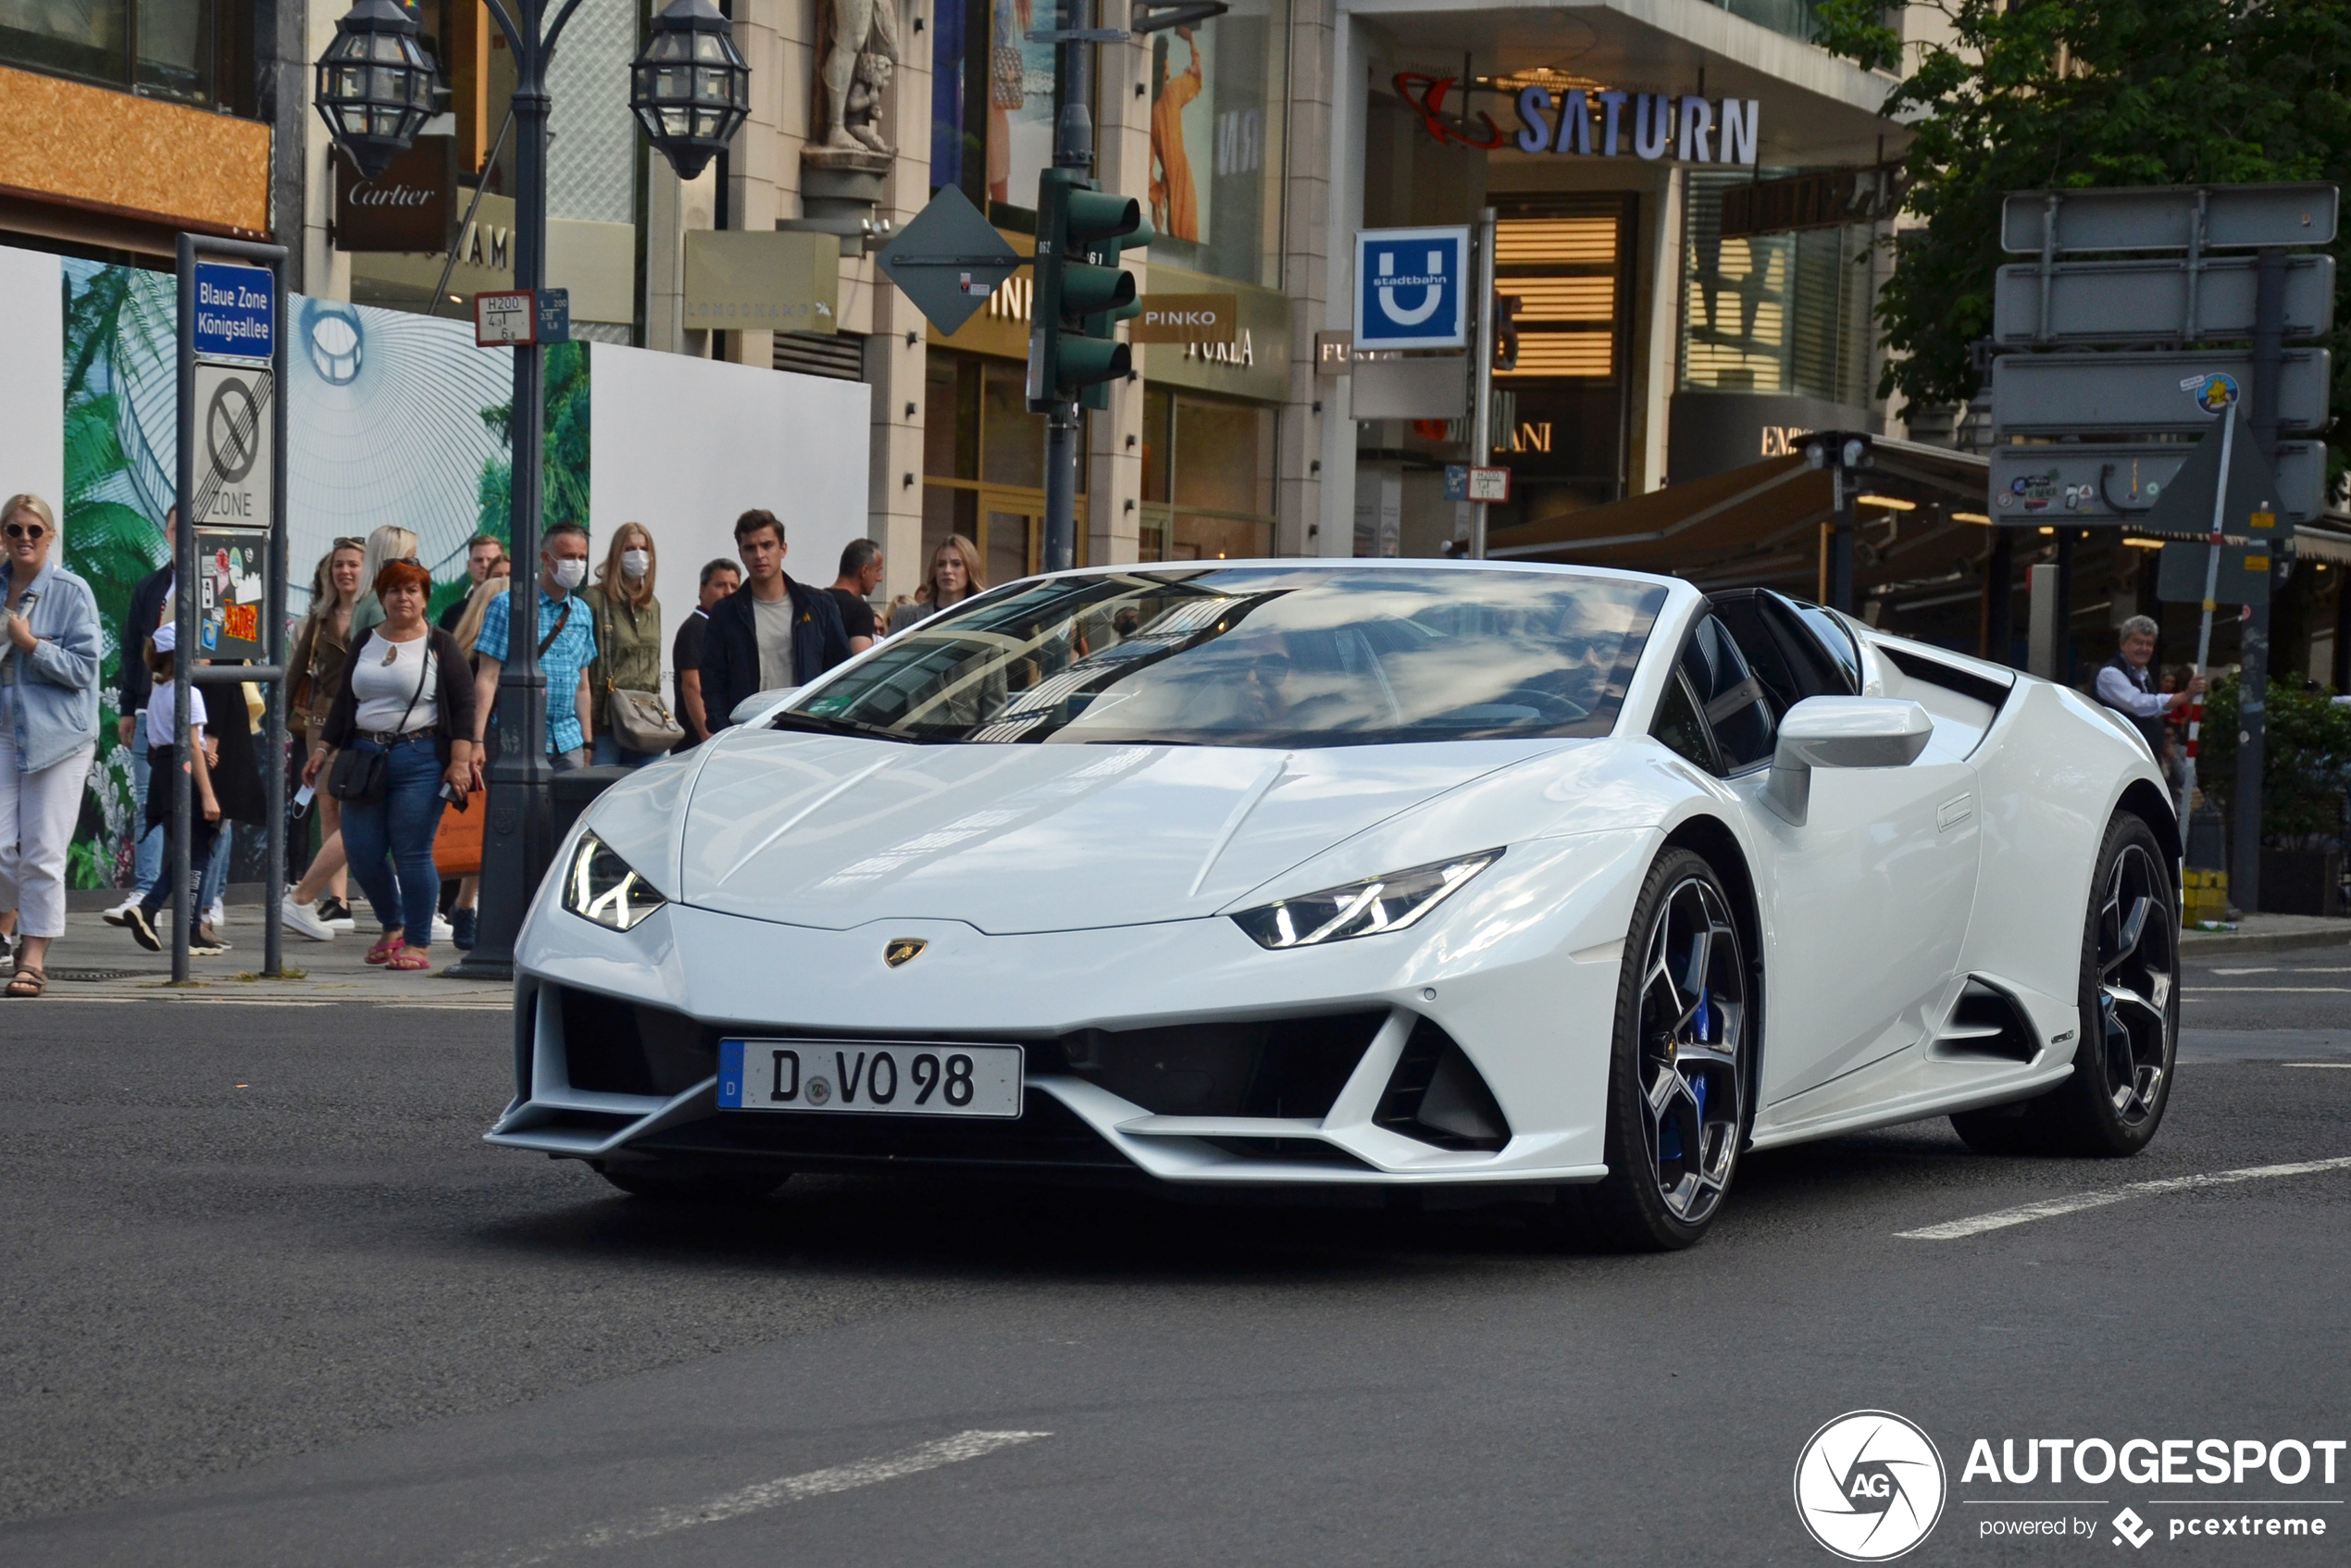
(236, 470)
(236, 311)
(2213, 391)
(506, 319)
(1410, 288)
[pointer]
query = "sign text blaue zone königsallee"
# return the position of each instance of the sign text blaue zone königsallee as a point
(236, 312)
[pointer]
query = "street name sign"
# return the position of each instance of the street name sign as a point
(2070, 481)
(236, 312)
(236, 466)
(950, 259)
(2145, 393)
(2164, 217)
(2153, 301)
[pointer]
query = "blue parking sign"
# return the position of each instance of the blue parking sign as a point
(236, 312)
(1410, 288)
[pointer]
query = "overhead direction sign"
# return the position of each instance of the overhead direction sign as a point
(2154, 301)
(2144, 393)
(1412, 286)
(2163, 218)
(948, 260)
(236, 312)
(236, 467)
(2075, 481)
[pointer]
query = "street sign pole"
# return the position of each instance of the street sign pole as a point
(1482, 381)
(2211, 587)
(228, 331)
(2253, 680)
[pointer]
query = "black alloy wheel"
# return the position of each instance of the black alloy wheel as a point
(2129, 1033)
(1678, 1074)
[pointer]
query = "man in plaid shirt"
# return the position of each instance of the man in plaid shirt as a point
(570, 648)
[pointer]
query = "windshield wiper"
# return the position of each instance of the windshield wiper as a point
(826, 725)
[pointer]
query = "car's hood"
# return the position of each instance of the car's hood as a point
(834, 832)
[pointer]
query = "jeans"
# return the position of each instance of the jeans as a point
(147, 863)
(608, 754)
(37, 815)
(206, 841)
(564, 762)
(390, 840)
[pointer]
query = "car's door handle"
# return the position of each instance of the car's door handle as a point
(1953, 811)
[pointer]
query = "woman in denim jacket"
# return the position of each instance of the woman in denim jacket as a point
(49, 646)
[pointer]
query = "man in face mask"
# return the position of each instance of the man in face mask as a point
(566, 647)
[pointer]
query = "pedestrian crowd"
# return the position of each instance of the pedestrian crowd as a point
(394, 715)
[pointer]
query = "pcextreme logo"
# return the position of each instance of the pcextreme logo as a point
(1870, 1486)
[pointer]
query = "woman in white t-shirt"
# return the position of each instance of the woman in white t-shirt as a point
(407, 695)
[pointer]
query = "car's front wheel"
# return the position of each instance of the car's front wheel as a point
(1678, 1071)
(681, 1182)
(2129, 1035)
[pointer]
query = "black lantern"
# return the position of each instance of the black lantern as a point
(690, 88)
(375, 84)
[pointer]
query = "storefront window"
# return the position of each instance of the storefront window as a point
(984, 463)
(1207, 478)
(166, 48)
(1785, 313)
(1217, 91)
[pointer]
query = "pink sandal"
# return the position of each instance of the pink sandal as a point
(409, 959)
(384, 949)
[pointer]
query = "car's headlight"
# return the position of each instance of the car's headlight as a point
(1362, 909)
(600, 886)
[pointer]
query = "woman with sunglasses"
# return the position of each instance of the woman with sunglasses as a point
(48, 729)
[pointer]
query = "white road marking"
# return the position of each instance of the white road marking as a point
(771, 1494)
(2344, 1064)
(2272, 990)
(2050, 1208)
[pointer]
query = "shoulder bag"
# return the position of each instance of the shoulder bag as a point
(640, 720)
(358, 775)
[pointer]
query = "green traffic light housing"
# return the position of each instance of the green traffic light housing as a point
(1082, 293)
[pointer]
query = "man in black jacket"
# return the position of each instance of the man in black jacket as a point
(772, 631)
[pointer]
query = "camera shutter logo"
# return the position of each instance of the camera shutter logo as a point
(1870, 1486)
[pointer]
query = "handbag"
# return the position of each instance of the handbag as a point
(456, 846)
(640, 720)
(1006, 78)
(358, 775)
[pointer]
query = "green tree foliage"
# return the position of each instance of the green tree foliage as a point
(564, 472)
(2306, 757)
(2069, 93)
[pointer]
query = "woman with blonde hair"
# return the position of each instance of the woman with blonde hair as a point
(49, 652)
(322, 643)
(628, 627)
(387, 544)
(954, 575)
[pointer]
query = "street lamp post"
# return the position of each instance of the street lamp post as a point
(691, 91)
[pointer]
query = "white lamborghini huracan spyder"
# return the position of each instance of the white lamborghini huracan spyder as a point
(1387, 872)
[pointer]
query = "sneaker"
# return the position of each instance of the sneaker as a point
(119, 915)
(216, 915)
(141, 926)
(461, 928)
(207, 942)
(304, 921)
(336, 913)
(442, 931)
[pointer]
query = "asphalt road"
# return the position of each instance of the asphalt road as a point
(265, 1298)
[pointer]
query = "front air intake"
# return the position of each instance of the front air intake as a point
(1287, 1067)
(1437, 1096)
(1987, 1022)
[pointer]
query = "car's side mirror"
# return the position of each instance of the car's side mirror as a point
(1841, 732)
(760, 702)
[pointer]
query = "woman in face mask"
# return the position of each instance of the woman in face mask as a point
(628, 626)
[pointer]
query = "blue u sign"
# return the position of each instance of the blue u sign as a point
(1410, 285)
(236, 312)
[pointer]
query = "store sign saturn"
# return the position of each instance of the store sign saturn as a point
(1595, 122)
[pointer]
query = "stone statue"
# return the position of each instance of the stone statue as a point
(859, 58)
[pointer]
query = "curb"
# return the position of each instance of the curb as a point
(2203, 944)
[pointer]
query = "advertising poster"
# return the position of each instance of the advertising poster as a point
(1020, 101)
(1183, 133)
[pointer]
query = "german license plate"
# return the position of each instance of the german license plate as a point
(882, 1078)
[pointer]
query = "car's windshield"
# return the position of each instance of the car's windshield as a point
(1256, 656)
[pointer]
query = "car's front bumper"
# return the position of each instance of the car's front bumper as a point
(1520, 975)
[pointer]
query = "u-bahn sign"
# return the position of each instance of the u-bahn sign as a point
(1410, 285)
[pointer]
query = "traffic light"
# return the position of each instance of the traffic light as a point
(1080, 297)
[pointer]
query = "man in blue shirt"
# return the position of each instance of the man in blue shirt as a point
(568, 647)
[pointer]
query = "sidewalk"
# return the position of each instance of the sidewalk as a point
(2267, 933)
(95, 962)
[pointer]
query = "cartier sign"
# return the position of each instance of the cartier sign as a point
(407, 208)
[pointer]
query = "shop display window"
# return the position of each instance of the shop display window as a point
(194, 51)
(1786, 313)
(1207, 478)
(984, 463)
(1217, 96)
